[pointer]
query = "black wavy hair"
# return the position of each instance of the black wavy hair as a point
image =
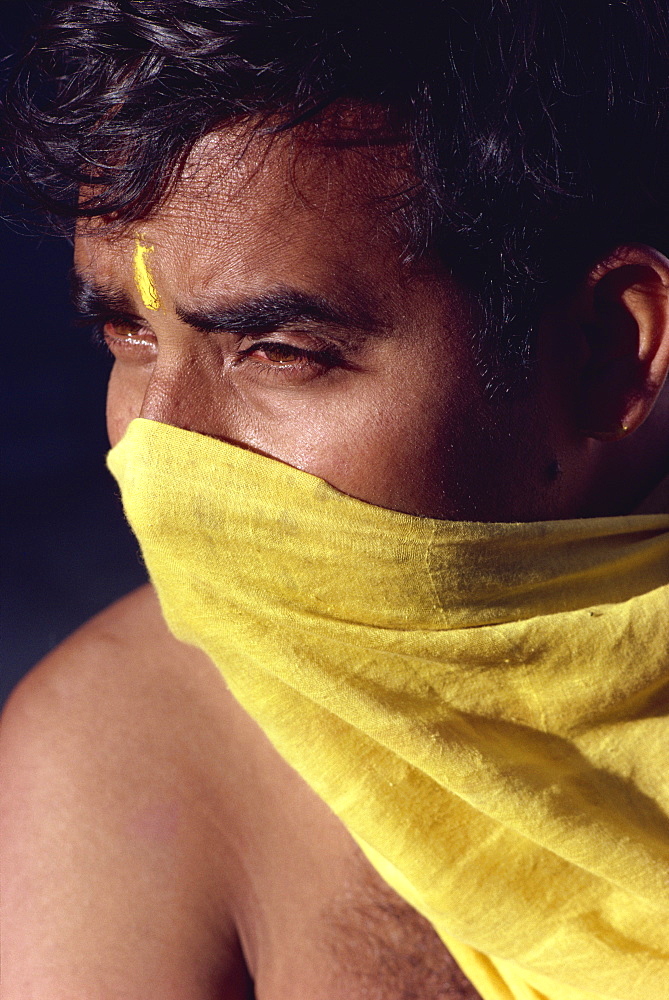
(539, 129)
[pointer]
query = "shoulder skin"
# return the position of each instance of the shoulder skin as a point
(105, 822)
(156, 847)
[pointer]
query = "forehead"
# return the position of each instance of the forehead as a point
(257, 209)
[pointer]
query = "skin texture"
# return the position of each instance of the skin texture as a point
(401, 418)
(155, 846)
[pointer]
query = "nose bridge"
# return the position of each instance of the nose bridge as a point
(164, 398)
(182, 394)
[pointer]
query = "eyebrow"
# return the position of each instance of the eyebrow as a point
(91, 299)
(259, 314)
(274, 310)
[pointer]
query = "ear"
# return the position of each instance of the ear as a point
(626, 341)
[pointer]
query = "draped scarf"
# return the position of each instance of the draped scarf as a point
(484, 706)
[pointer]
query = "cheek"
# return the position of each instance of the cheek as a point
(406, 443)
(125, 396)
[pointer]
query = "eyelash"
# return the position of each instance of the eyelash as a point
(101, 339)
(302, 358)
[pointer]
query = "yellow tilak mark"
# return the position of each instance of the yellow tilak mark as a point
(143, 279)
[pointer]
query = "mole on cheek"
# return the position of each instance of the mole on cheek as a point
(143, 280)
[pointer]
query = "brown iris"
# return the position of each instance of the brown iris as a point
(280, 353)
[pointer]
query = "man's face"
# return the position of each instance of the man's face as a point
(267, 304)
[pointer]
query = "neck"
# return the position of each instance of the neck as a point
(631, 473)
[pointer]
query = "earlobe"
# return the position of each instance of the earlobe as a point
(626, 333)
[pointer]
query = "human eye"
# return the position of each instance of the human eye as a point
(125, 339)
(288, 360)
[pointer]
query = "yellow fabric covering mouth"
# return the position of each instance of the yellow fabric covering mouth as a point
(483, 705)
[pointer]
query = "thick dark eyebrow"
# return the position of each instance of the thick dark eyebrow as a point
(261, 314)
(275, 310)
(91, 300)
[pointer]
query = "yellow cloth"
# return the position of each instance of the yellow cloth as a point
(483, 705)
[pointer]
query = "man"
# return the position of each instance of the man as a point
(389, 293)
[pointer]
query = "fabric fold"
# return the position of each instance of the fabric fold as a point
(483, 705)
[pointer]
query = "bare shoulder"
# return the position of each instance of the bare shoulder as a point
(114, 648)
(155, 845)
(106, 763)
(117, 688)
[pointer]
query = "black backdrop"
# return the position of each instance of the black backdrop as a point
(66, 550)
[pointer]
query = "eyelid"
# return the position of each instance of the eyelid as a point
(101, 319)
(316, 348)
(298, 340)
(114, 335)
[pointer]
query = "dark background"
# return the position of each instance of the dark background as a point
(66, 551)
